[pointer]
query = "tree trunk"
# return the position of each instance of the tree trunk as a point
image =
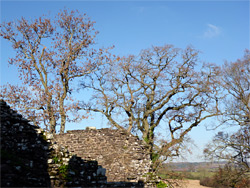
(63, 122)
(148, 137)
(52, 120)
(62, 113)
(52, 125)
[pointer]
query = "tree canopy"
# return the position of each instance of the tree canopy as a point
(163, 87)
(234, 147)
(50, 54)
(160, 86)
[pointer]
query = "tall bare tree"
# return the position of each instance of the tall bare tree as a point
(236, 82)
(159, 87)
(234, 147)
(50, 54)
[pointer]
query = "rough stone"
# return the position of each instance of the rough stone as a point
(122, 154)
(30, 157)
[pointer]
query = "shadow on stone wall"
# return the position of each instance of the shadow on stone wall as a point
(77, 172)
(139, 184)
(122, 154)
(85, 173)
(23, 152)
(30, 158)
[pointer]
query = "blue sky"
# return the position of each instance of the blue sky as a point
(219, 29)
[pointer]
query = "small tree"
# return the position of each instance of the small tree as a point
(234, 148)
(50, 55)
(159, 87)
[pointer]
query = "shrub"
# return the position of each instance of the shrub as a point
(161, 184)
(63, 171)
(209, 182)
(227, 177)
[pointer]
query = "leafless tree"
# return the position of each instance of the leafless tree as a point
(159, 87)
(51, 53)
(236, 82)
(234, 147)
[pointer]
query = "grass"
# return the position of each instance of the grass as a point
(187, 175)
(197, 175)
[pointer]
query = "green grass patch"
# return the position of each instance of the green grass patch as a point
(197, 175)
(161, 185)
(186, 175)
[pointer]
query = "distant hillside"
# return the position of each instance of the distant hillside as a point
(193, 166)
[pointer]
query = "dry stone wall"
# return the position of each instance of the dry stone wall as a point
(23, 151)
(31, 157)
(122, 155)
(68, 170)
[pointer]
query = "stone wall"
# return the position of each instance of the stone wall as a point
(122, 155)
(31, 157)
(68, 170)
(23, 151)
